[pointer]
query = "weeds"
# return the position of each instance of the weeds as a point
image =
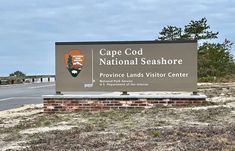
(134, 129)
(156, 134)
(12, 137)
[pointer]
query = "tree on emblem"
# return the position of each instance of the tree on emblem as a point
(70, 61)
(74, 60)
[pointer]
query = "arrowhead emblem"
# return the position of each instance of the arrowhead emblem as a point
(74, 61)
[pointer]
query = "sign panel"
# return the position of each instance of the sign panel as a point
(126, 66)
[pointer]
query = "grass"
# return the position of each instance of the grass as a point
(165, 128)
(12, 137)
(134, 129)
(156, 134)
(31, 122)
(212, 114)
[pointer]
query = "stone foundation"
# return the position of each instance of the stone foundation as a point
(71, 103)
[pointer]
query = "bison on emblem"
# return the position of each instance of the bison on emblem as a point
(74, 61)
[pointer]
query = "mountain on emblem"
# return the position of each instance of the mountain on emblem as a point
(74, 61)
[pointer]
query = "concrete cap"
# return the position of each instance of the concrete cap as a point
(135, 95)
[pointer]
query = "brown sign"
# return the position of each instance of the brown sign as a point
(126, 66)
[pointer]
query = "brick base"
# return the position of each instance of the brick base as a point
(92, 104)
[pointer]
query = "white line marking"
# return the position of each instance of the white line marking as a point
(29, 97)
(6, 86)
(1, 100)
(42, 86)
(11, 85)
(13, 98)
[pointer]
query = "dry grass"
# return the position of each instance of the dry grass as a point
(209, 127)
(165, 128)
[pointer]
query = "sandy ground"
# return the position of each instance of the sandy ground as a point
(207, 127)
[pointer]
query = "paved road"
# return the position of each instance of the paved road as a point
(12, 96)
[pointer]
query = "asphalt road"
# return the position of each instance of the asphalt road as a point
(12, 96)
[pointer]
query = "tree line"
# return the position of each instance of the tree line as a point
(215, 60)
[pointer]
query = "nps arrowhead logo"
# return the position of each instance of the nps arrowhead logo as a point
(74, 61)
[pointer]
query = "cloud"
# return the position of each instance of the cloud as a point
(29, 28)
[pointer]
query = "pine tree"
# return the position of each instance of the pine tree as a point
(199, 30)
(170, 33)
(214, 59)
(70, 61)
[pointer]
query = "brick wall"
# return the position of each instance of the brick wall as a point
(78, 104)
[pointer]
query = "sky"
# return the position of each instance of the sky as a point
(30, 28)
